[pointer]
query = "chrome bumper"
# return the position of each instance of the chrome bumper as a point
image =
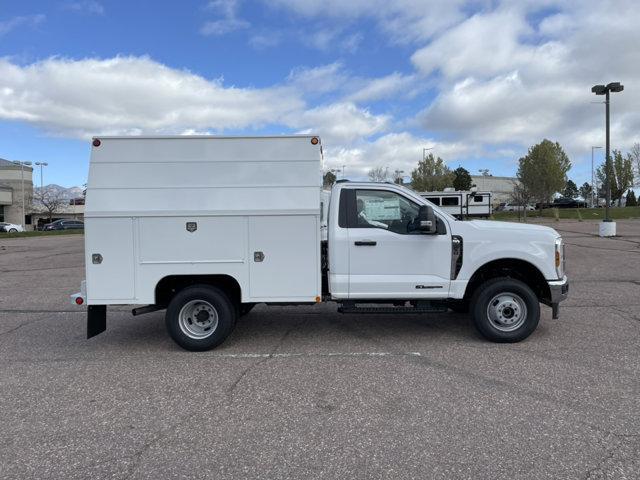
(559, 290)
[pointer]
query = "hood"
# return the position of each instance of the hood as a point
(491, 228)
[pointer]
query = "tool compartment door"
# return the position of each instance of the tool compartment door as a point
(284, 257)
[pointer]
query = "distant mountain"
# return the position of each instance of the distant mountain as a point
(65, 193)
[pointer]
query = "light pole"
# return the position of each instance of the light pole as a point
(605, 90)
(424, 152)
(41, 164)
(398, 176)
(22, 165)
(594, 187)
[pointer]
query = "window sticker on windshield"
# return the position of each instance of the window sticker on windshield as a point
(382, 209)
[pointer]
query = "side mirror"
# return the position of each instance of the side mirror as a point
(426, 220)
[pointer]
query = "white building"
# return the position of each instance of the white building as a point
(501, 188)
(12, 179)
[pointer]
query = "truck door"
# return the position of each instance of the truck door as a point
(385, 259)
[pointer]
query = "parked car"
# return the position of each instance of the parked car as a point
(512, 207)
(10, 227)
(64, 225)
(563, 202)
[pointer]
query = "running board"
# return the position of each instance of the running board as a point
(422, 307)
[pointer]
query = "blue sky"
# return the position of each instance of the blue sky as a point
(377, 80)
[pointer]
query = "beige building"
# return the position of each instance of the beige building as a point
(501, 188)
(12, 179)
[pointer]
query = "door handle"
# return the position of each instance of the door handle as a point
(365, 243)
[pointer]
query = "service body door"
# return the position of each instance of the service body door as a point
(385, 259)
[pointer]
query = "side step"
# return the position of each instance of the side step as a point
(421, 307)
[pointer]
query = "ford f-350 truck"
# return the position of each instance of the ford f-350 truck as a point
(208, 227)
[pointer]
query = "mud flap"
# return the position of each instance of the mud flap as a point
(96, 320)
(555, 310)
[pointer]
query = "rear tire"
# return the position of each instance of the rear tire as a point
(505, 310)
(200, 318)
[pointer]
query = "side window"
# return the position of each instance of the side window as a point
(434, 200)
(450, 201)
(382, 209)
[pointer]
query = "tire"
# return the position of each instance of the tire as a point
(505, 310)
(13, 230)
(217, 317)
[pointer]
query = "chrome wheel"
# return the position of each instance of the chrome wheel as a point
(198, 319)
(507, 312)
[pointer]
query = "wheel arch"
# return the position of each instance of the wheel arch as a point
(513, 268)
(168, 286)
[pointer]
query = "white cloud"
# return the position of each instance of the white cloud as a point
(397, 151)
(7, 26)
(85, 6)
(262, 41)
(228, 21)
(131, 94)
(383, 87)
(321, 79)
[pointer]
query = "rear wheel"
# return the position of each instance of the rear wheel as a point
(200, 317)
(13, 230)
(505, 310)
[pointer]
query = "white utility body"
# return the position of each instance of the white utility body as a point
(207, 227)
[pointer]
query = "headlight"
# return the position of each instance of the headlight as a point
(559, 257)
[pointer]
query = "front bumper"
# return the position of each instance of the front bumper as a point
(559, 291)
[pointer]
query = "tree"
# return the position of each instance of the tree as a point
(543, 171)
(634, 155)
(50, 200)
(328, 179)
(431, 175)
(620, 175)
(379, 174)
(570, 190)
(631, 199)
(585, 191)
(461, 179)
(520, 196)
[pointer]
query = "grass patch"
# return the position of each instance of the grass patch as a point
(40, 234)
(617, 213)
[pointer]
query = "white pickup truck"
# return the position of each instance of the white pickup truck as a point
(207, 227)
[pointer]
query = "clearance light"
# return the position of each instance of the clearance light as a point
(96, 142)
(318, 299)
(79, 301)
(314, 141)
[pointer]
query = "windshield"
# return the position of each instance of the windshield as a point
(415, 194)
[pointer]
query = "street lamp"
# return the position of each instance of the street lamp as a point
(398, 176)
(41, 164)
(594, 186)
(605, 90)
(22, 165)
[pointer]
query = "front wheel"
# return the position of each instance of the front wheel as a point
(200, 317)
(13, 230)
(505, 310)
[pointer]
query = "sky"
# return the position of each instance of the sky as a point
(478, 82)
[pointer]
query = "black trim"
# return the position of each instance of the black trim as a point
(345, 193)
(365, 243)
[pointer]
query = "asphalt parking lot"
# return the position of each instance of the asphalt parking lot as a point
(307, 393)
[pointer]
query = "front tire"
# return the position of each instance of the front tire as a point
(505, 310)
(200, 318)
(13, 230)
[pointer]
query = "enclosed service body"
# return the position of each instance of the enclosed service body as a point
(243, 207)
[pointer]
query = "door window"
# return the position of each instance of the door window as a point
(382, 209)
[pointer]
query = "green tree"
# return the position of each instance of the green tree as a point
(585, 191)
(631, 199)
(620, 175)
(570, 189)
(543, 171)
(431, 174)
(328, 179)
(461, 179)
